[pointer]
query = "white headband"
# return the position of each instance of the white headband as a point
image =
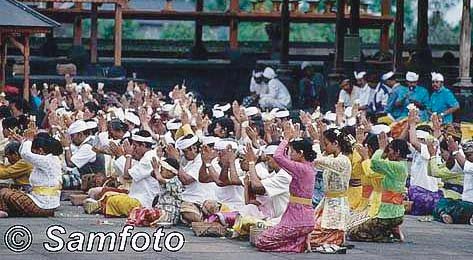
(168, 167)
(270, 149)
(142, 139)
(183, 143)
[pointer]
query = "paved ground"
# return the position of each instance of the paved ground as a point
(424, 241)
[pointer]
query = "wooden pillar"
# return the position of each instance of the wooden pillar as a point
(465, 47)
(199, 7)
(50, 34)
(3, 60)
(355, 17)
(77, 26)
(399, 36)
(93, 33)
(26, 56)
(422, 24)
(118, 35)
(285, 26)
(384, 38)
(234, 7)
(339, 36)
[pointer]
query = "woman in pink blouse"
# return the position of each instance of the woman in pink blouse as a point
(297, 222)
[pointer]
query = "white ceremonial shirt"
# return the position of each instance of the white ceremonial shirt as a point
(419, 170)
(277, 96)
(197, 192)
(467, 194)
(144, 186)
(46, 173)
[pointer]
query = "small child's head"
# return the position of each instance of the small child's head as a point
(169, 168)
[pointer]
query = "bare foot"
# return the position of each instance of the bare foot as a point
(3, 214)
(447, 219)
(398, 233)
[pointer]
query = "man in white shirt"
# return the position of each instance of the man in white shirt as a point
(364, 90)
(349, 94)
(144, 186)
(277, 94)
(83, 158)
(195, 192)
(271, 190)
(461, 211)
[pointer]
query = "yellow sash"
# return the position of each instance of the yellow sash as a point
(47, 191)
(299, 200)
(336, 194)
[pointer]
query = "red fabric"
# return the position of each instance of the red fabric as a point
(392, 197)
(11, 90)
(367, 191)
(143, 217)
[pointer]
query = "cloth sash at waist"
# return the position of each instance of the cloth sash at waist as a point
(336, 194)
(47, 191)
(367, 190)
(355, 182)
(299, 200)
(392, 197)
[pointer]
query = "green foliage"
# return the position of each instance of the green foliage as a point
(106, 29)
(177, 31)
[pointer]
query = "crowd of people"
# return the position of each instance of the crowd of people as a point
(314, 180)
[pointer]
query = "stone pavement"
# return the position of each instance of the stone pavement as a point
(425, 240)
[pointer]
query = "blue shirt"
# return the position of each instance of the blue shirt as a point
(442, 100)
(402, 93)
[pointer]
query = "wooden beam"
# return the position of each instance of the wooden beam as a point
(77, 26)
(384, 37)
(422, 24)
(355, 17)
(399, 36)
(26, 56)
(3, 60)
(285, 28)
(234, 7)
(118, 35)
(465, 47)
(93, 34)
(339, 37)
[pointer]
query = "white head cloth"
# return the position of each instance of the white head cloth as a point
(183, 142)
(412, 77)
(77, 127)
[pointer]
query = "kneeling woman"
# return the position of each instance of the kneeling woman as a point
(45, 179)
(297, 222)
(390, 161)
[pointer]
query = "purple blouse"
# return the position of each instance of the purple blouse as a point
(302, 185)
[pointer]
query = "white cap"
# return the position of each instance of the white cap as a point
(223, 108)
(437, 77)
(77, 127)
(167, 107)
(142, 139)
(422, 134)
(412, 77)
(173, 124)
(209, 140)
(91, 124)
(223, 144)
(183, 142)
(330, 116)
(257, 74)
(359, 75)
(305, 64)
(269, 73)
(251, 111)
(133, 118)
(281, 113)
(387, 76)
(378, 129)
(270, 149)
(217, 113)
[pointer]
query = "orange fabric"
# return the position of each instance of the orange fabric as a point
(392, 197)
(367, 191)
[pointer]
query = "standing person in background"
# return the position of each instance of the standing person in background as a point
(442, 100)
(411, 94)
(277, 96)
(257, 87)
